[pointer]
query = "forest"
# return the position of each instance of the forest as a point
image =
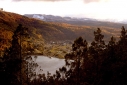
(97, 63)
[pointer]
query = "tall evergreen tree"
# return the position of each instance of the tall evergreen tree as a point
(12, 60)
(79, 54)
(17, 67)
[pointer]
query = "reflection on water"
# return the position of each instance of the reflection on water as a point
(50, 64)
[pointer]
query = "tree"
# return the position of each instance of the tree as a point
(12, 61)
(98, 64)
(14, 64)
(79, 54)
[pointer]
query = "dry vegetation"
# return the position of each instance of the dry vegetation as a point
(57, 50)
(41, 31)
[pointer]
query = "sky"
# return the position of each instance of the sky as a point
(97, 9)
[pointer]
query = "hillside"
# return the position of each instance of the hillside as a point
(76, 21)
(50, 31)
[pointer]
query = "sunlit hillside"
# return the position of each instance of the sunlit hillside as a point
(49, 31)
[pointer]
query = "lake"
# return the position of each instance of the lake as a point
(50, 64)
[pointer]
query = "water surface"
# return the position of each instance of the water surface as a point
(50, 64)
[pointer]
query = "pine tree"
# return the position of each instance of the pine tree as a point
(79, 55)
(13, 63)
(12, 60)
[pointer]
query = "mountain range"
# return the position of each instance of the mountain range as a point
(78, 21)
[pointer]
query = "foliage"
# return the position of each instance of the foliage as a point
(102, 64)
(99, 63)
(5, 39)
(41, 32)
(17, 68)
(95, 64)
(58, 50)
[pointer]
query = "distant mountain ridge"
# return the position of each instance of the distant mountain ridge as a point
(55, 31)
(57, 18)
(77, 21)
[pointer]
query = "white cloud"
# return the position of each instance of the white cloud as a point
(101, 9)
(89, 1)
(40, 0)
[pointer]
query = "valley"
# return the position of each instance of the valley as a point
(63, 42)
(54, 29)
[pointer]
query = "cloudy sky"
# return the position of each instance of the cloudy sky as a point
(98, 9)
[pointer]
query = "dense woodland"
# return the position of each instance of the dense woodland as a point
(99, 63)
